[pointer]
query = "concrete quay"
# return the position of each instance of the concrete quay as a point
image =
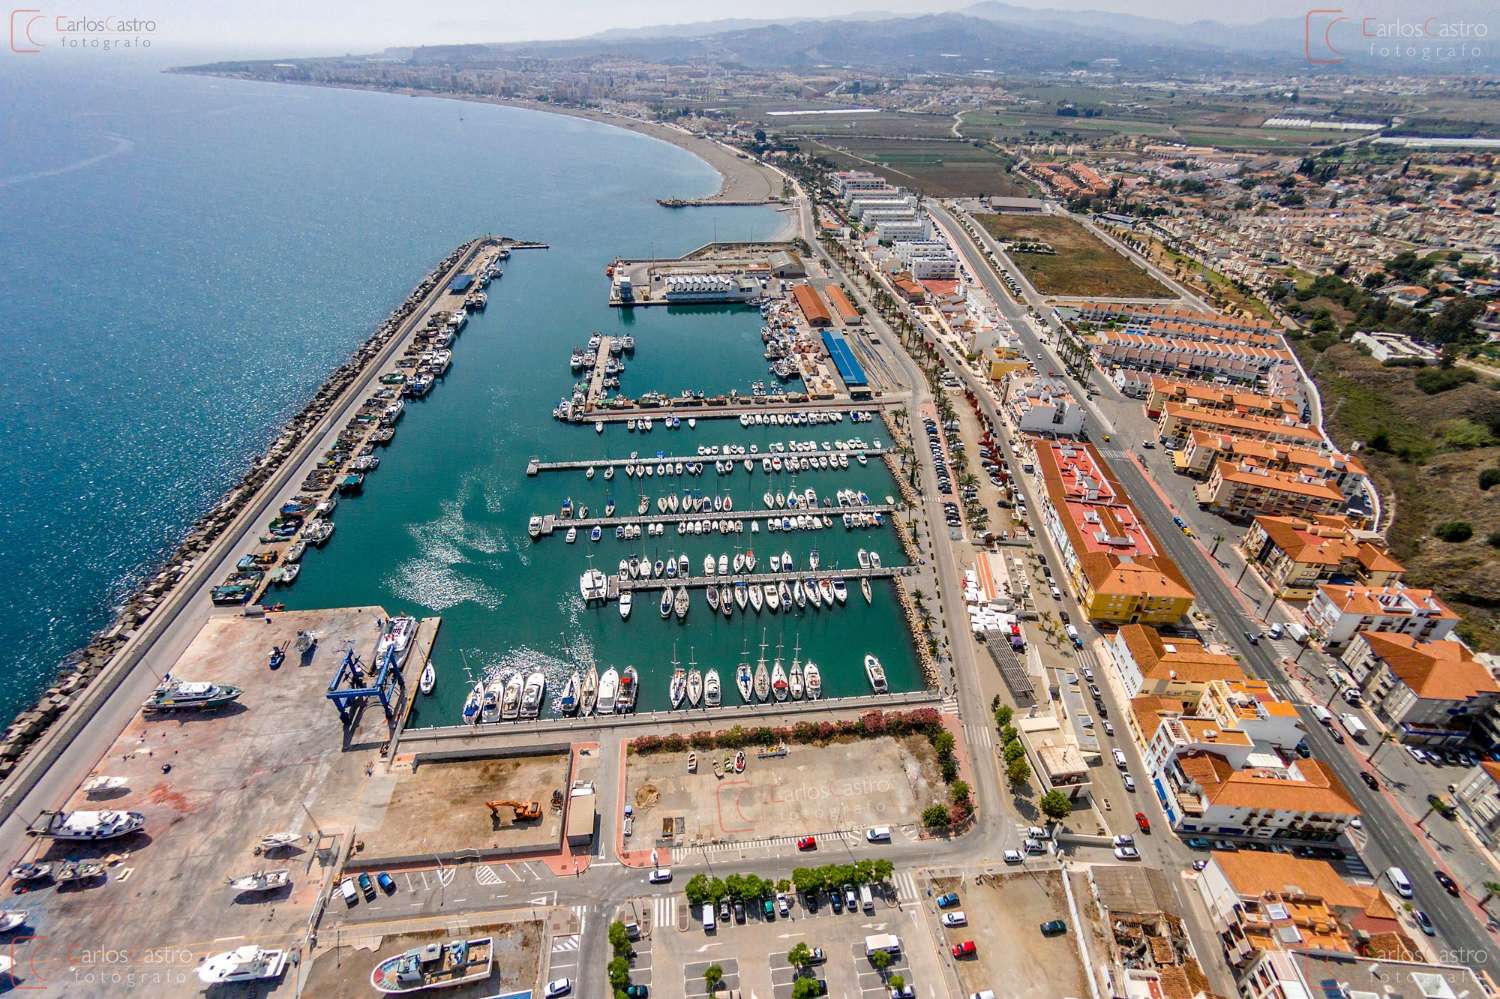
(753, 578)
(536, 465)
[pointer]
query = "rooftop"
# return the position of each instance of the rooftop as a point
(1445, 670)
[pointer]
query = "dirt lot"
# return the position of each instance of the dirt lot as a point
(1004, 916)
(345, 971)
(1082, 264)
(844, 786)
(934, 167)
(440, 808)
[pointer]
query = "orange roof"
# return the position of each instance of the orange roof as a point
(841, 304)
(1328, 540)
(1149, 710)
(1210, 394)
(1184, 659)
(1252, 874)
(811, 304)
(1396, 600)
(1247, 424)
(1318, 791)
(1273, 480)
(1440, 671)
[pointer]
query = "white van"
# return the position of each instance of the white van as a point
(1322, 714)
(866, 900)
(878, 834)
(708, 917)
(888, 942)
(1399, 881)
(350, 893)
(986, 994)
(1120, 759)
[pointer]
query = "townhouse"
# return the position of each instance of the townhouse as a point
(1293, 555)
(1337, 613)
(1179, 420)
(1428, 693)
(1239, 490)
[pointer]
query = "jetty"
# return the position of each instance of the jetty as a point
(552, 523)
(722, 407)
(536, 465)
(601, 370)
(753, 578)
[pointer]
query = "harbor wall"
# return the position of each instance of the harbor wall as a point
(36, 738)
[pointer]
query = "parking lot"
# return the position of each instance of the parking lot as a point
(1004, 918)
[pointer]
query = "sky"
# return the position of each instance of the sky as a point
(305, 27)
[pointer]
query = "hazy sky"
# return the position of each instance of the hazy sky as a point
(293, 27)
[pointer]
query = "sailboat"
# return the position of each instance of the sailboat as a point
(590, 692)
(726, 600)
(864, 588)
(630, 684)
(666, 602)
(757, 597)
(569, 701)
(779, 686)
(677, 687)
(762, 675)
(749, 559)
(814, 557)
(794, 678)
(711, 694)
(744, 679)
(694, 683)
(680, 602)
(713, 598)
(741, 595)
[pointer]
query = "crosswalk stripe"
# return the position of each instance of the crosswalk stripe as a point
(562, 945)
(664, 910)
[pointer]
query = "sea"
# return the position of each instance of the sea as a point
(186, 258)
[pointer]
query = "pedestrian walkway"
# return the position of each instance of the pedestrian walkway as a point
(980, 736)
(905, 884)
(950, 704)
(664, 910)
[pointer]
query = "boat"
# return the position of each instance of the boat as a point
(100, 784)
(598, 426)
(779, 685)
(626, 599)
(812, 679)
(744, 679)
(773, 597)
(875, 560)
(723, 565)
(590, 473)
(188, 695)
(70, 871)
(609, 473)
(629, 685)
(813, 559)
(510, 704)
(708, 565)
(711, 692)
(571, 536)
(840, 589)
(814, 596)
(492, 699)
(531, 696)
(757, 597)
(786, 561)
(726, 600)
(739, 762)
(590, 692)
(428, 679)
(749, 559)
(595, 533)
(12, 919)
(437, 965)
(876, 674)
(798, 595)
(713, 598)
(593, 585)
(677, 686)
(666, 601)
(260, 881)
(31, 871)
(684, 567)
(658, 570)
(568, 703)
(864, 588)
(692, 767)
(694, 687)
(739, 563)
(295, 551)
(276, 841)
(534, 527)
(609, 690)
(249, 963)
(680, 602)
(741, 595)
(473, 704)
(864, 559)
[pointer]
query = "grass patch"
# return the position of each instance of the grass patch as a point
(1082, 265)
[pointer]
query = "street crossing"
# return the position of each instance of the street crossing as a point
(980, 737)
(664, 910)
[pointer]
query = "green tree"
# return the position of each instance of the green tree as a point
(696, 891)
(799, 956)
(1489, 478)
(713, 977)
(1056, 805)
(805, 988)
(805, 879)
(784, 885)
(1018, 772)
(896, 982)
(1013, 751)
(881, 960)
(619, 973)
(943, 743)
(934, 816)
(959, 790)
(884, 869)
(1008, 733)
(718, 891)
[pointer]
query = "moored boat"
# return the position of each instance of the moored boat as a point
(876, 674)
(569, 701)
(531, 696)
(609, 691)
(428, 680)
(813, 679)
(437, 965)
(711, 691)
(510, 704)
(590, 692)
(694, 687)
(630, 682)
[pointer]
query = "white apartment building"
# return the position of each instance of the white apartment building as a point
(1041, 405)
(1337, 613)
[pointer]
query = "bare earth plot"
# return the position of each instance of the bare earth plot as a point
(1013, 957)
(933, 167)
(1082, 266)
(343, 971)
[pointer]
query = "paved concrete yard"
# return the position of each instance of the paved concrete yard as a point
(343, 971)
(845, 786)
(1013, 957)
(210, 785)
(439, 809)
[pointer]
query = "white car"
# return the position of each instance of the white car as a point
(1127, 853)
(659, 876)
(559, 987)
(1124, 840)
(955, 918)
(1129, 783)
(1014, 857)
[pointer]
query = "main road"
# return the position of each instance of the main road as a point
(1389, 841)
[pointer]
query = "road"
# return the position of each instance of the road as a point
(1388, 840)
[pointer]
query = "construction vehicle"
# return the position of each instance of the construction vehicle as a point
(525, 811)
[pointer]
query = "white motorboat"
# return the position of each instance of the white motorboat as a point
(876, 674)
(532, 695)
(510, 704)
(813, 559)
(711, 692)
(786, 561)
(864, 559)
(684, 567)
(630, 683)
(772, 596)
(813, 680)
(626, 600)
(88, 825)
(840, 589)
(875, 560)
(589, 693)
(709, 565)
(12, 919)
(723, 565)
(609, 691)
(260, 881)
(249, 963)
(99, 784)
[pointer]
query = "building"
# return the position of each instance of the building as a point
(787, 265)
(1282, 974)
(1042, 405)
(1395, 348)
(1429, 693)
(1207, 395)
(1295, 554)
(1179, 420)
(847, 313)
(1203, 449)
(1017, 206)
(1336, 613)
(860, 205)
(811, 304)
(1183, 357)
(1150, 315)
(927, 260)
(1270, 796)
(1149, 663)
(1111, 559)
(709, 288)
(1240, 490)
(895, 230)
(845, 182)
(1478, 797)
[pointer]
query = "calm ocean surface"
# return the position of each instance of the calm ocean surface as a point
(186, 258)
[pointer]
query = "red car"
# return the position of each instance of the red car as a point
(807, 843)
(1142, 822)
(965, 949)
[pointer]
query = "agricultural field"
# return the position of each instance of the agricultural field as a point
(1082, 265)
(936, 168)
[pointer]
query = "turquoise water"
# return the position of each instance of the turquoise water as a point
(186, 258)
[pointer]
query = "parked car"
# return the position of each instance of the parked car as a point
(724, 910)
(955, 918)
(1054, 928)
(1127, 853)
(739, 912)
(1142, 823)
(367, 887)
(836, 900)
(559, 987)
(1424, 923)
(904, 992)
(807, 843)
(947, 900)
(1199, 843)
(1123, 840)
(637, 991)
(965, 949)
(1014, 857)
(350, 893)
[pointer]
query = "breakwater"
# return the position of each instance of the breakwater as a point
(79, 670)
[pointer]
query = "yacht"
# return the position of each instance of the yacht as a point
(428, 680)
(571, 536)
(711, 693)
(786, 561)
(609, 692)
(569, 702)
(814, 558)
(762, 675)
(779, 686)
(436, 965)
(190, 696)
(510, 698)
(680, 602)
(741, 594)
(708, 565)
(483, 703)
(814, 597)
(88, 825)
(590, 692)
(875, 560)
(840, 589)
(773, 597)
(677, 686)
(684, 567)
(593, 585)
(626, 600)
(260, 881)
(876, 674)
(243, 964)
(723, 565)
(629, 686)
(666, 602)
(794, 677)
(813, 680)
(864, 559)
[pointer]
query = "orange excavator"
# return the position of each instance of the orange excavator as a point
(525, 811)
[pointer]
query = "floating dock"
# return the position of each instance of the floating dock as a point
(753, 578)
(552, 523)
(536, 465)
(733, 408)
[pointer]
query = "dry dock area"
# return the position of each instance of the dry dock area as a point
(210, 786)
(342, 971)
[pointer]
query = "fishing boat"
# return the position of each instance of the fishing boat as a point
(531, 697)
(590, 692)
(249, 963)
(186, 695)
(568, 703)
(813, 679)
(744, 679)
(680, 602)
(609, 692)
(626, 600)
(510, 705)
(428, 680)
(864, 589)
(711, 692)
(694, 687)
(295, 551)
(32, 871)
(260, 881)
(757, 597)
(629, 686)
(876, 674)
(773, 597)
(437, 965)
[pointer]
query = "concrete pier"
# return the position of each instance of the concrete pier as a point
(721, 408)
(536, 465)
(754, 578)
(759, 513)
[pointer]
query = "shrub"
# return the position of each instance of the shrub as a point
(949, 768)
(1013, 751)
(1494, 539)
(1436, 380)
(1489, 477)
(1056, 805)
(1454, 531)
(934, 816)
(959, 790)
(1018, 772)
